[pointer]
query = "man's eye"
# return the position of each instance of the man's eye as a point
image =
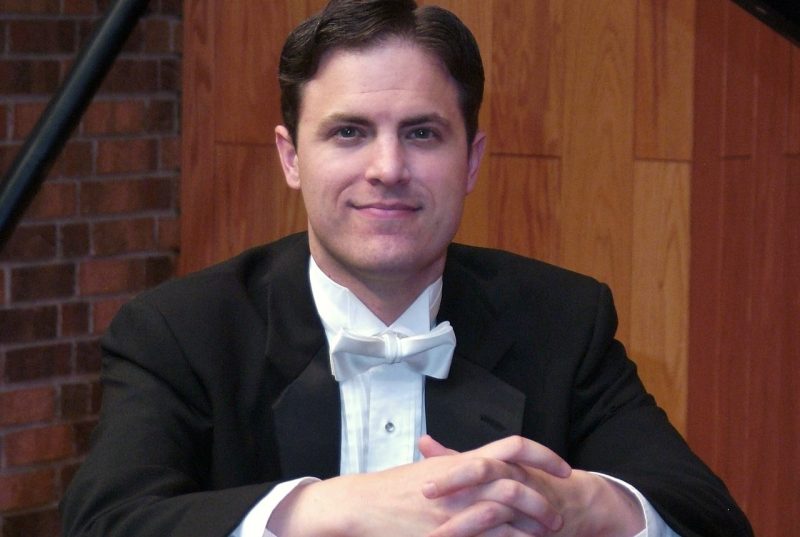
(421, 133)
(347, 132)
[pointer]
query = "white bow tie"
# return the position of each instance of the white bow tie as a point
(429, 354)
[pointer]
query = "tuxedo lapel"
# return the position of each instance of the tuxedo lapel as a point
(307, 413)
(472, 406)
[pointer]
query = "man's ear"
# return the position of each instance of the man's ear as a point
(475, 155)
(288, 155)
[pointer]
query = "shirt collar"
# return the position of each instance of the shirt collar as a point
(339, 308)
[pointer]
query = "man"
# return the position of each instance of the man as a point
(289, 391)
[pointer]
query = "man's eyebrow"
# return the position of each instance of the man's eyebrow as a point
(345, 118)
(426, 118)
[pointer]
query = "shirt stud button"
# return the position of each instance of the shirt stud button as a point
(389, 427)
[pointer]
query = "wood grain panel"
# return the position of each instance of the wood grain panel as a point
(526, 199)
(789, 437)
(769, 283)
(597, 168)
(704, 419)
(793, 138)
(196, 141)
(664, 74)
(660, 282)
(528, 77)
(249, 38)
(254, 205)
(739, 88)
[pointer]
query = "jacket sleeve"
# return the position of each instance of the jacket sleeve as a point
(619, 430)
(148, 471)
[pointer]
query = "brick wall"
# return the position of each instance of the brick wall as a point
(103, 227)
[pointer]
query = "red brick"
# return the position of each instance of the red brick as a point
(75, 159)
(127, 196)
(123, 236)
(88, 357)
(42, 282)
(42, 36)
(25, 117)
(75, 240)
(27, 406)
(170, 75)
(80, 7)
(29, 76)
(103, 311)
(3, 122)
(54, 200)
(177, 38)
(25, 490)
(43, 523)
(171, 154)
(125, 156)
(21, 325)
(74, 319)
(75, 400)
(37, 363)
(30, 243)
(169, 234)
(162, 116)
(157, 35)
(41, 444)
(131, 76)
(115, 117)
(106, 276)
(31, 6)
(170, 7)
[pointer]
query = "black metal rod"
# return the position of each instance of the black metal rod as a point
(51, 132)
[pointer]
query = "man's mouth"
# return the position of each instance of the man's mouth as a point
(386, 209)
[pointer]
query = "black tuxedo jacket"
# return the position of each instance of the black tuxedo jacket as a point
(217, 386)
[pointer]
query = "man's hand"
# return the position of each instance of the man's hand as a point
(470, 494)
(590, 505)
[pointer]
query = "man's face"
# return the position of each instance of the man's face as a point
(383, 163)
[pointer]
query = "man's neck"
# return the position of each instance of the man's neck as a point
(387, 296)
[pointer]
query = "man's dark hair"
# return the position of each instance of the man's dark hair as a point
(359, 24)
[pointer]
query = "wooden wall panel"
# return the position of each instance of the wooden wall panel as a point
(793, 137)
(197, 168)
(248, 36)
(527, 82)
(744, 324)
(660, 281)
(740, 63)
(597, 165)
(253, 202)
(527, 195)
(664, 76)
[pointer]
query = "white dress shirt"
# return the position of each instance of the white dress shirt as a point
(383, 408)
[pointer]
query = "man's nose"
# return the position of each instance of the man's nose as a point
(388, 163)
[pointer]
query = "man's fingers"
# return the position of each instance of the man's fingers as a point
(429, 447)
(480, 519)
(519, 450)
(471, 472)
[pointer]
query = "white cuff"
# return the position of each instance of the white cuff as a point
(654, 525)
(254, 524)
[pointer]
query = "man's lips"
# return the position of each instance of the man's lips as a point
(386, 209)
